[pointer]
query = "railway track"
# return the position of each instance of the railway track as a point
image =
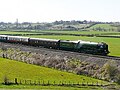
(105, 57)
(111, 57)
(37, 49)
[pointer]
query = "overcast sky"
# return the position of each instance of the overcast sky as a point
(51, 10)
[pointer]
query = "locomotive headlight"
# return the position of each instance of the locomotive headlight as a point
(101, 46)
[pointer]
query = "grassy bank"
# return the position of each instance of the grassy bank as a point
(22, 71)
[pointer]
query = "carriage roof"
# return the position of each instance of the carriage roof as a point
(44, 39)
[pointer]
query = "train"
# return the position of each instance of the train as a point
(97, 48)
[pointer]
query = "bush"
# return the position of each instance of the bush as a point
(110, 71)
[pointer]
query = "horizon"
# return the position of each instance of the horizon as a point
(17, 21)
(56, 10)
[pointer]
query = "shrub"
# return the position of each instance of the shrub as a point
(110, 71)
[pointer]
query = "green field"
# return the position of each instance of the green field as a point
(14, 32)
(105, 26)
(22, 71)
(14, 69)
(36, 87)
(81, 32)
(58, 31)
(114, 43)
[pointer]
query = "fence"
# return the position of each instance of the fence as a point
(53, 83)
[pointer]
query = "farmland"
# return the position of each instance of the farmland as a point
(22, 71)
(61, 32)
(15, 32)
(107, 27)
(81, 32)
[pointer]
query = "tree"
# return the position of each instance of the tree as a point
(118, 28)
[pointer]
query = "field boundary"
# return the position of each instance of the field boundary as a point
(87, 35)
(52, 83)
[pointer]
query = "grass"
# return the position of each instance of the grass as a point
(14, 69)
(16, 32)
(105, 26)
(51, 87)
(114, 43)
(58, 31)
(80, 32)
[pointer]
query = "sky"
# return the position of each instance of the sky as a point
(52, 10)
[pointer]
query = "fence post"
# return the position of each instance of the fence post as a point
(73, 83)
(25, 82)
(69, 83)
(34, 82)
(20, 82)
(87, 83)
(101, 83)
(96, 83)
(6, 56)
(65, 83)
(92, 83)
(43, 82)
(82, 84)
(16, 81)
(54, 82)
(30, 82)
(38, 82)
(48, 82)
(3, 55)
(59, 83)
(62, 83)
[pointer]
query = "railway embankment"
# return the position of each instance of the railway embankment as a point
(95, 66)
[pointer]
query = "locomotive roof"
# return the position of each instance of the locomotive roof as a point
(87, 42)
(80, 41)
(44, 39)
